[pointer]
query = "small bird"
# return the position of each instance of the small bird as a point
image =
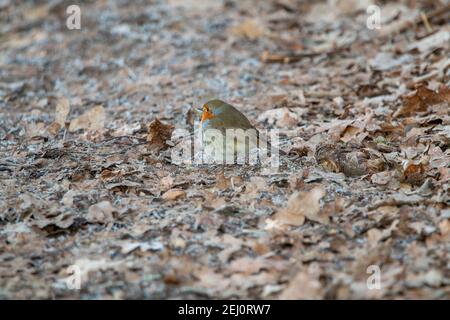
(228, 136)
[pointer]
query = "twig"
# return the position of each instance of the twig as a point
(422, 18)
(123, 137)
(426, 22)
(295, 57)
(439, 12)
(286, 58)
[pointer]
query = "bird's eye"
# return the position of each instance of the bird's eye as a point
(205, 108)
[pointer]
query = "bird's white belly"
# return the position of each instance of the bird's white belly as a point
(233, 146)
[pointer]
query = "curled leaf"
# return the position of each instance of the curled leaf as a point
(302, 205)
(421, 99)
(158, 134)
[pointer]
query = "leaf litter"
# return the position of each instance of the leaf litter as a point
(87, 132)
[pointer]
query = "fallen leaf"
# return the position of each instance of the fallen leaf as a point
(247, 265)
(436, 40)
(281, 117)
(381, 178)
(91, 120)
(61, 221)
(385, 61)
(173, 194)
(87, 265)
(374, 235)
(129, 247)
(232, 245)
(250, 28)
(36, 129)
(222, 182)
(444, 227)
(197, 5)
(421, 99)
(101, 212)
(305, 285)
(432, 278)
(302, 205)
(413, 173)
(62, 111)
(53, 128)
(67, 199)
(158, 134)
(166, 182)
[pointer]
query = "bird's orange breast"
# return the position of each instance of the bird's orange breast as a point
(206, 115)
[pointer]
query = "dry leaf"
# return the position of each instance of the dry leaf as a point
(222, 182)
(281, 117)
(36, 129)
(129, 247)
(67, 199)
(101, 212)
(158, 134)
(432, 278)
(305, 285)
(173, 194)
(421, 99)
(444, 227)
(61, 221)
(375, 235)
(166, 182)
(250, 28)
(433, 41)
(382, 178)
(301, 205)
(197, 5)
(61, 112)
(87, 265)
(53, 128)
(182, 229)
(91, 120)
(232, 245)
(385, 61)
(413, 173)
(247, 265)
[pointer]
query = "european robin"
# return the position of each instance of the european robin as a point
(228, 136)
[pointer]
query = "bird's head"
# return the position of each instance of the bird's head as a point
(212, 109)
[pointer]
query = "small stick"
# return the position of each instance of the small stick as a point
(426, 22)
(295, 57)
(423, 18)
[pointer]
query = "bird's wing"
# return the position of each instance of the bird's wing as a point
(236, 119)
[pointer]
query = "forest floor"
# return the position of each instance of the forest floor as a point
(88, 188)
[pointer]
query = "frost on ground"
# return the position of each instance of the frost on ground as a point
(88, 123)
